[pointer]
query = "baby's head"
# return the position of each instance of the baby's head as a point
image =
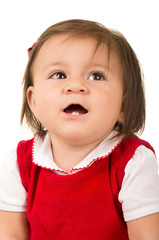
(133, 101)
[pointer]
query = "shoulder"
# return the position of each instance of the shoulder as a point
(24, 151)
(12, 193)
(25, 145)
(127, 149)
(143, 164)
(143, 157)
(130, 144)
(139, 192)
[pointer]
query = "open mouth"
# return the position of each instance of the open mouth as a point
(75, 109)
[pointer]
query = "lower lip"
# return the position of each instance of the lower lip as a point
(74, 116)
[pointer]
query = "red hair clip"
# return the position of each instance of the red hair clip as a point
(29, 49)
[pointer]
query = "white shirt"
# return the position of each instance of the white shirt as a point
(139, 194)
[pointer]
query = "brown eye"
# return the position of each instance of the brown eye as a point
(58, 75)
(96, 76)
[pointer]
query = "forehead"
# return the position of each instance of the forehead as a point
(81, 50)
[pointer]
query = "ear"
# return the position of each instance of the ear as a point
(31, 99)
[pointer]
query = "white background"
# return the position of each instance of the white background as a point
(21, 23)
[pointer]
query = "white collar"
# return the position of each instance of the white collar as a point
(42, 153)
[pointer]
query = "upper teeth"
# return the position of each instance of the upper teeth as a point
(75, 113)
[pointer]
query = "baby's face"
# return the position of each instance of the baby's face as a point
(76, 96)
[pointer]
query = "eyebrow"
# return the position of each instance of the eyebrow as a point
(54, 64)
(98, 65)
(64, 64)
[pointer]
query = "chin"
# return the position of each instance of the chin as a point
(75, 136)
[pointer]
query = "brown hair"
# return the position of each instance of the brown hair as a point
(133, 106)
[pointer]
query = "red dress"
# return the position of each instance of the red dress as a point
(81, 206)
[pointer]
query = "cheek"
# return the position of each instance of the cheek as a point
(109, 102)
(47, 104)
(41, 103)
(42, 95)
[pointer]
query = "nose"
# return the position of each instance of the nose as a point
(75, 86)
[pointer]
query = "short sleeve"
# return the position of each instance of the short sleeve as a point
(139, 194)
(13, 196)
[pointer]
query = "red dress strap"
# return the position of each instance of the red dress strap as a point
(24, 158)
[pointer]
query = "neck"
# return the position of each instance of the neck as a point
(68, 156)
